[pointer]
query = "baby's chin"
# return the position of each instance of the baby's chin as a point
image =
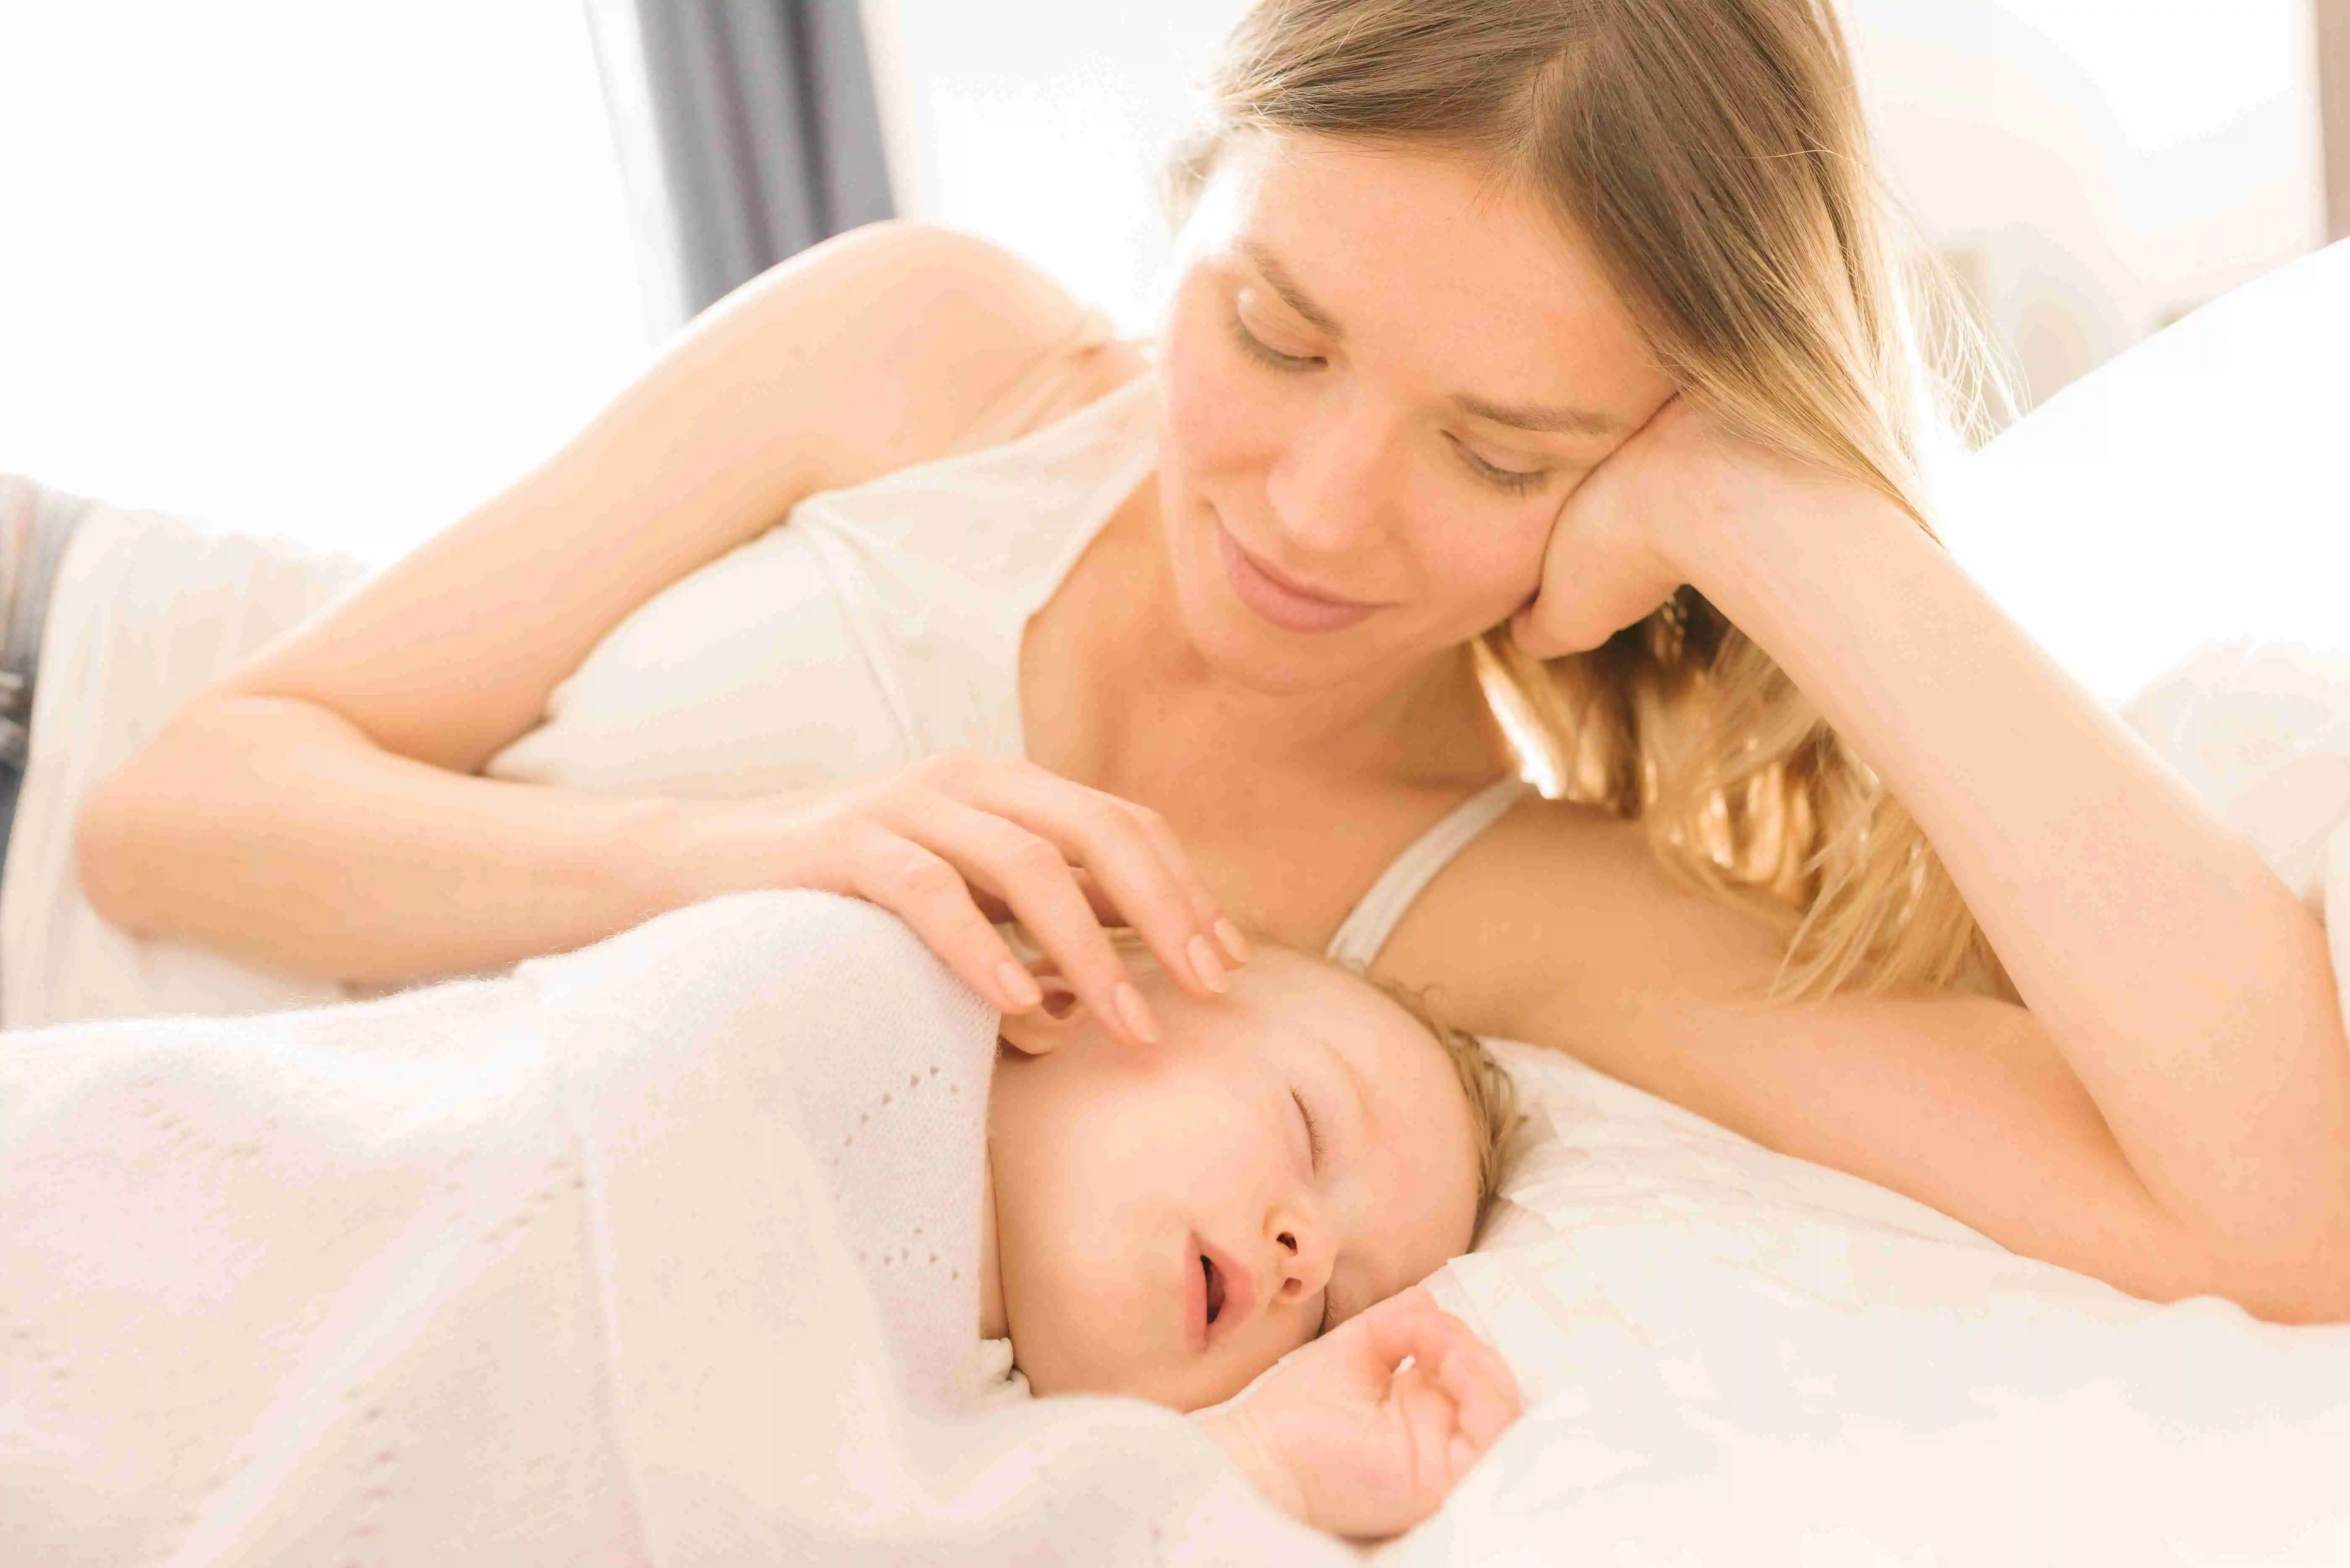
(1082, 1363)
(1156, 1386)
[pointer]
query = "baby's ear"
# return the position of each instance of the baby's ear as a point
(1044, 1026)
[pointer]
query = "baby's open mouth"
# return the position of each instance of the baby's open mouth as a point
(1225, 1293)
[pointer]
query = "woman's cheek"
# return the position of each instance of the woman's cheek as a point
(1221, 414)
(1489, 565)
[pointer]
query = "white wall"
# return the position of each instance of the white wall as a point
(1041, 124)
(2104, 165)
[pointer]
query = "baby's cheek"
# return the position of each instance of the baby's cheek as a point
(1082, 1336)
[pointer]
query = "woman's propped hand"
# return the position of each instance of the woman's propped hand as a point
(1653, 516)
(1365, 1430)
(954, 843)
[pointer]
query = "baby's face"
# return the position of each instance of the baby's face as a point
(1171, 1220)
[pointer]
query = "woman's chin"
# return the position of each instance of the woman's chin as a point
(1250, 655)
(1240, 646)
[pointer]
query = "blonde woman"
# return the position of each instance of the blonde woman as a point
(1540, 358)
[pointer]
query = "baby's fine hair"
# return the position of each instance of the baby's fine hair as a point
(1492, 1094)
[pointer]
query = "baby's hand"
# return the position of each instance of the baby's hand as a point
(1347, 1441)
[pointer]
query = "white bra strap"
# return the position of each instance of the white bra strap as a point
(1368, 925)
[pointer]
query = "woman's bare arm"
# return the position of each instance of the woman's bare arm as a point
(2173, 1111)
(2186, 986)
(316, 811)
(1558, 927)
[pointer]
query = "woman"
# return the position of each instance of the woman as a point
(1550, 349)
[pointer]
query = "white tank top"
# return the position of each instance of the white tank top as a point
(877, 624)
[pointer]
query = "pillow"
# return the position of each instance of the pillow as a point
(1732, 1356)
(2192, 490)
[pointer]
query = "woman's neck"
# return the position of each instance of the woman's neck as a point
(1117, 695)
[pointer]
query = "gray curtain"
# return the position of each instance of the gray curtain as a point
(764, 130)
(2332, 17)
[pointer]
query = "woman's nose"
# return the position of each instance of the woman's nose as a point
(1328, 483)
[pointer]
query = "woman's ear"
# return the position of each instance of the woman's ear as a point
(1045, 1025)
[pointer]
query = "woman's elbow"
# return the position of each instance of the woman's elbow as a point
(106, 855)
(136, 823)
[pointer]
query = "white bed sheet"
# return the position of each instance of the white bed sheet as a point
(1731, 1357)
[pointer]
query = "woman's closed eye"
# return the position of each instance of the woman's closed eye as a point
(1517, 481)
(1264, 353)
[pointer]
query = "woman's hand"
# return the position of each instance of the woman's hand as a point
(1347, 1437)
(952, 844)
(1650, 518)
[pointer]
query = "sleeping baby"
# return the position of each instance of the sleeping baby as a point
(509, 1255)
(1169, 1222)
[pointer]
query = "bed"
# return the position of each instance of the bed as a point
(1729, 1356)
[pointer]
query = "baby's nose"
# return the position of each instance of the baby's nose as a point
(1301, 1260)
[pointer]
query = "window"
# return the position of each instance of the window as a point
(333, 271)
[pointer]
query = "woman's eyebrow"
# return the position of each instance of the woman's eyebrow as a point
(1542, 417)
(1285, 285)
(1545, 418)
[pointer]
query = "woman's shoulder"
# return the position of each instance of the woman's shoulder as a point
(868, 353)
(1089, 366)
(1562, 900)
(963, 344)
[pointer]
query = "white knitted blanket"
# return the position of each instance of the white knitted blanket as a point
(558, 1268)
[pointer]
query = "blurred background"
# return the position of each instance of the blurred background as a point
(338, 271)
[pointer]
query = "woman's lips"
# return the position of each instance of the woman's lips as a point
(1286, 604)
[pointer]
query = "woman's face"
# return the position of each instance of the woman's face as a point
(1383, 379)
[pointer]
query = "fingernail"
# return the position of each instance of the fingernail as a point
(1234, 943)
(1019, 986)
(1204, 965)
(1135, 1013)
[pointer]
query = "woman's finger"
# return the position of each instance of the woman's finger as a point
(1102, 834)
(1108, 837)
(1028, 875)
(1178, 861)
(870, 862)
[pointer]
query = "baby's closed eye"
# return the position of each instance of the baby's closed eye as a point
(1313, 1130)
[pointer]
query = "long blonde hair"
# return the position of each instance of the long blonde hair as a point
(1714, 153)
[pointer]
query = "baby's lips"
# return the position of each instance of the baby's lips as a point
(1241, 1289)
(1195, 1297)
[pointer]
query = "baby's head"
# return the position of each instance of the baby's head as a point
(1171, 1220)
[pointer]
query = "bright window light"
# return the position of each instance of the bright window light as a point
(333, 271)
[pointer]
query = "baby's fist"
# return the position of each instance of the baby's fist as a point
(1349, 1439)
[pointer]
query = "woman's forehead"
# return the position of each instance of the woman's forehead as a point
(1420, 255)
